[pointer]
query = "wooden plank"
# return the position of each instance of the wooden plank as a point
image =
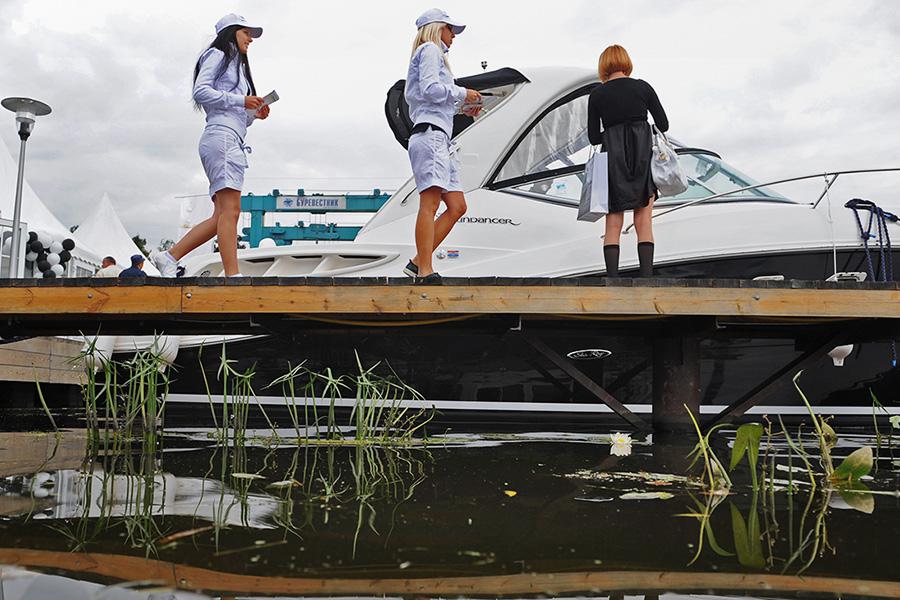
(46, 300)
(169, 300)
(543, 300)
(42, 375)
(185, 577)
(26, 452)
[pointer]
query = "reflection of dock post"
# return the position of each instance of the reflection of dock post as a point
(676, 380)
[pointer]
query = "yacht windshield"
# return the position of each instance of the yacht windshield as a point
(707, 176)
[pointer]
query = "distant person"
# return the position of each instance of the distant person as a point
(621, 103)
(433, 100)
(108, 268)
(136, 269)
(224, 88)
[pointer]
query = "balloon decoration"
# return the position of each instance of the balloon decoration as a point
(47, 254)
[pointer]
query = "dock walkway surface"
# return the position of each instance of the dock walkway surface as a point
(147, 304)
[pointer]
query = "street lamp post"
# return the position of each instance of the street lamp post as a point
(27, 110)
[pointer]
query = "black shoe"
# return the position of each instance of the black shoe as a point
(432, 279)
(411, 269)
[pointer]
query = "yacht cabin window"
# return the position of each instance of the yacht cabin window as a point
(556, 140)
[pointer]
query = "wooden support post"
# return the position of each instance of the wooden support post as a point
(676, 382)
(586, 382)
(777, 380)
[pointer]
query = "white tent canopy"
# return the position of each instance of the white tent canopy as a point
(103, 230)
(34, 212)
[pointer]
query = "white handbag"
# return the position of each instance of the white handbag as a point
(670, 180)
(594, 202)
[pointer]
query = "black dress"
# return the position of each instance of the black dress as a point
(622, 105)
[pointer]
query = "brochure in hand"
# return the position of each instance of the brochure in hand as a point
(270, 98)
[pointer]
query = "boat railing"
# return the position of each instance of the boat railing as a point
(830, 177)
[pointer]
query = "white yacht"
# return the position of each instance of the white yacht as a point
(522, 169)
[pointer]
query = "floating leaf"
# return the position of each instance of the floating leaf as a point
(510, 493)
(646, 496)
(746, 441)
(858, 464)
(858, 497)
(246, 476)
(284, 484)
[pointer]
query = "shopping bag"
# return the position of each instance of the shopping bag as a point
(664, 168)
(594, 203)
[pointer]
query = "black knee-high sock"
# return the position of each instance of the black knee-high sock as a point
(645, 256)
(611, 256)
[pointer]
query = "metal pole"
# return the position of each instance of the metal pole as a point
(17, 216)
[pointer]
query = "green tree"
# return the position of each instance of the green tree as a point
(165, 245)
(141, 243)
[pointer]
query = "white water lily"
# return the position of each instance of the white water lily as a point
(621, 444)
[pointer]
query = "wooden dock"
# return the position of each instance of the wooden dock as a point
(675, 313)
(82, 301)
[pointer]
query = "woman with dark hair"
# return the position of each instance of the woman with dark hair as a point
(617, 118)
(223, 87)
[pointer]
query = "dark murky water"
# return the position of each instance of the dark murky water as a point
(479, 515)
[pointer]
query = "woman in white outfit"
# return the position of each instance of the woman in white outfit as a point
(223, 87)
(433, 100)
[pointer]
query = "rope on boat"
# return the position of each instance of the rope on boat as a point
(878, 219)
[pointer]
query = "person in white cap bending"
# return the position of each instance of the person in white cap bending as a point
(223, 87)
(433, 100)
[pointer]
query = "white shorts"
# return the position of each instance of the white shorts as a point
(223, 158)
(433, 164)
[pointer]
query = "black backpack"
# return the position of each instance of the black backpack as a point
(397, 110)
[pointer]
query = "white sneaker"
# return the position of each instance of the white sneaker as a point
(166, 263)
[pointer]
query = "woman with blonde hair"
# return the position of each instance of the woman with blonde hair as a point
(433, 100)
(617, 119)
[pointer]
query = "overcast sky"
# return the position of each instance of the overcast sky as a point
(779, 88)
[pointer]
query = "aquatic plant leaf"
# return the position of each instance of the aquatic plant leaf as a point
(856, 465)
(746, 441)
(747, 539)
(829, 434)
(287, 483)
(857, 496)
(646, 496)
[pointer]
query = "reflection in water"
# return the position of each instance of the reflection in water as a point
(487, 515)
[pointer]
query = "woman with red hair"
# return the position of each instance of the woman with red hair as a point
(617, 119)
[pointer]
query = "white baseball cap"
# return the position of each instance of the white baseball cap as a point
(436, 15)
(233, 19)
